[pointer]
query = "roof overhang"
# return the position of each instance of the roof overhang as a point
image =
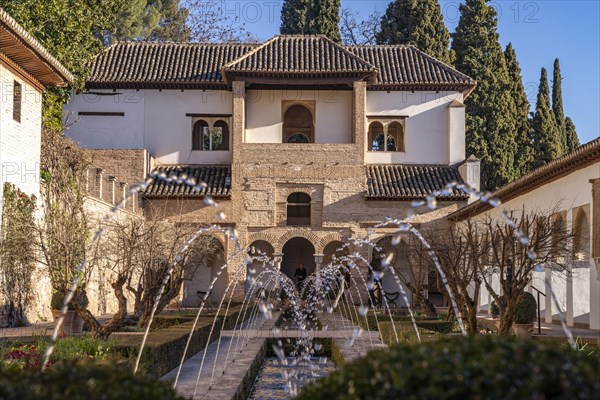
(27, 53)
(582, 157)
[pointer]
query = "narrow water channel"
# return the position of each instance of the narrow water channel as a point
(278, 380)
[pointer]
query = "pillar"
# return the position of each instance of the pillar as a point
(123, 193)
(318, 261)
(112, 181)
(277, 259)
(548, 298)
(359, 114)
(595, 259)
(99, 182)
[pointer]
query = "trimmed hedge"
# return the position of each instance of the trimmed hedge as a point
(164, 347)
(478, 367)
(81, 381)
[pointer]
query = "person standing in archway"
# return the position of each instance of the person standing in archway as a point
(300, 275)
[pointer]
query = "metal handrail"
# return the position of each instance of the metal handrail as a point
(539, 316)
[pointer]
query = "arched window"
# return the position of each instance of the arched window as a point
(581, 237)
(220, 136)
(298, 209)
(200, 135)
(298, 125)
(395, 139)
(376, 137)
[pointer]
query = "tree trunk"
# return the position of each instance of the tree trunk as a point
(118, 319)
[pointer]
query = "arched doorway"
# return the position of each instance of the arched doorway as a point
(204, 262)
(333, 251)
(298, 250)
(259, 249)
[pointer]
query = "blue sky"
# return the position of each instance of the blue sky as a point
(539, 30)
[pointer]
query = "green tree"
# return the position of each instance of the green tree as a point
(571, 133)
(491, 132)
(546, 136)
(311, 17)
(557, 106)
(417, 22)
(72, 31)
(152, 20)
(293, 17)
(524, 151)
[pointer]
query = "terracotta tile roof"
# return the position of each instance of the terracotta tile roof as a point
(200, 65)
(407, 182)
(23, 49)
(407, 66)
(163, 65)
(216, 177)
(300, 55)
(584, 156)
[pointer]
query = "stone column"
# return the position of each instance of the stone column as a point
(277, 259)
(238, 134)
(87, 180)
(359, 111)
(318, 261)
(548, 298)
(113, 181)
(595, 259)
(123, 193)
(99, 182)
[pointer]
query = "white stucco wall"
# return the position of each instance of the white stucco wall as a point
(106, 132)
(579, 296)
(19, 141)
(333, 114)
(154, 120)
(428, 129)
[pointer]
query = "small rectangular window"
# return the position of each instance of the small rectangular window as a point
(17, 99)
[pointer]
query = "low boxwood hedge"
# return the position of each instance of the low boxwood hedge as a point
(479, 367)
(164, 347)
(81, 381)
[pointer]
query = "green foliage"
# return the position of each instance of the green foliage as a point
(417, 22)
(546, 135)
(72, 31)
(557, 106)
(571, 133)
(478, 367)
(164, 347)
(17, 252)
(81, 381)
(524, 151)
(491, 110)
(311, 17)
(152, 20)
(495, 308)
(525, 310)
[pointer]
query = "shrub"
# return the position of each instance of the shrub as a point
(525, 310)
(81, 381)
(477, 367)
(495, 309)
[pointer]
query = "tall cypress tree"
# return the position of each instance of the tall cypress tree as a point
(490, 108)
(546, 137)
(417, 22)
(571, 133)
(557, 106)
(311, 17)
(293, 17)
(524, 151)
(324, 19)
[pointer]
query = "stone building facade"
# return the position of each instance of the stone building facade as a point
(301, 142)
